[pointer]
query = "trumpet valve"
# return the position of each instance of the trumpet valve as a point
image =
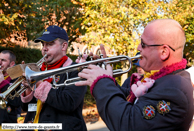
(103, 65)
(91, 58)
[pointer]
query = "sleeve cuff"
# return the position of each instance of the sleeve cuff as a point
(28, 98)
(97, 79)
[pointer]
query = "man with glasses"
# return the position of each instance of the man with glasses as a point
(143, 45)
(167, 105)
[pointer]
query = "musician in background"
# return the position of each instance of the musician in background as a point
(49, 105)
(167, 104)
(9, 114)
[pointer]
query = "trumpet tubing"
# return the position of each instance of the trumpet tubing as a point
(39, 63)
(33, 76)
(7, 94)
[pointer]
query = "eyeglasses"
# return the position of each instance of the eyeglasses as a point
(143, 45)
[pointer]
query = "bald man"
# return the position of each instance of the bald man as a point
(167, 104)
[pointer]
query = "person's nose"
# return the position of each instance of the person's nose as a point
(139, 48)
(44, 48)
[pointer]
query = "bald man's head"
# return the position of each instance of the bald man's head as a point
(169, 32)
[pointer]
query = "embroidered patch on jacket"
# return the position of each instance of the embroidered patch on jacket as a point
(163, 107)
(57, 78)
(8, 109)
(148, 112)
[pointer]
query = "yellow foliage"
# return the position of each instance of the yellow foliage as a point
(8, 20)
(117, 23)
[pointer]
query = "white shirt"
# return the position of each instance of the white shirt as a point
(191, 71)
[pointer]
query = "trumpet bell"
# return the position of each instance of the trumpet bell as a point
(8, 93)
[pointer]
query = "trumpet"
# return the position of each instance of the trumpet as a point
(8, 93)
(32, 76)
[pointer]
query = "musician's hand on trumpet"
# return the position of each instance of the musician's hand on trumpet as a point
(25, 84)
(27, 95)
(40, 92)
(93, 72)
(81, 59)
(29, 89)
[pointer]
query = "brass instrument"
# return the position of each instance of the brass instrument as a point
(79, 53)
(7, 94)
(32, 76)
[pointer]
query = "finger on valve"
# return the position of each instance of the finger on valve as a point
(81, 59)
(103, 50)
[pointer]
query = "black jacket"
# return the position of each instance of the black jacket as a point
(13, 108)
(119, 115)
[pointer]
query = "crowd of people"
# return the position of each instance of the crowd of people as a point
(159, 96)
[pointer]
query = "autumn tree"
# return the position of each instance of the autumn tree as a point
(31, 17)
(118, 23)
(182, 11)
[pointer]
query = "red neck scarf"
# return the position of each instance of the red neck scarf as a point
(56, 65)
(6, 81)
(163, 72)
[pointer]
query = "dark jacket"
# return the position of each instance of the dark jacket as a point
(127, 83)
(9, 114)
(119, 115)
(63, 105)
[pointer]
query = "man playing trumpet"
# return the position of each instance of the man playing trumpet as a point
(9, 114)
(167, 104)
(49, 105)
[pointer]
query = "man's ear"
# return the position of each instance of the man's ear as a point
(64, 46)
(165, 52)
(12, 63)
